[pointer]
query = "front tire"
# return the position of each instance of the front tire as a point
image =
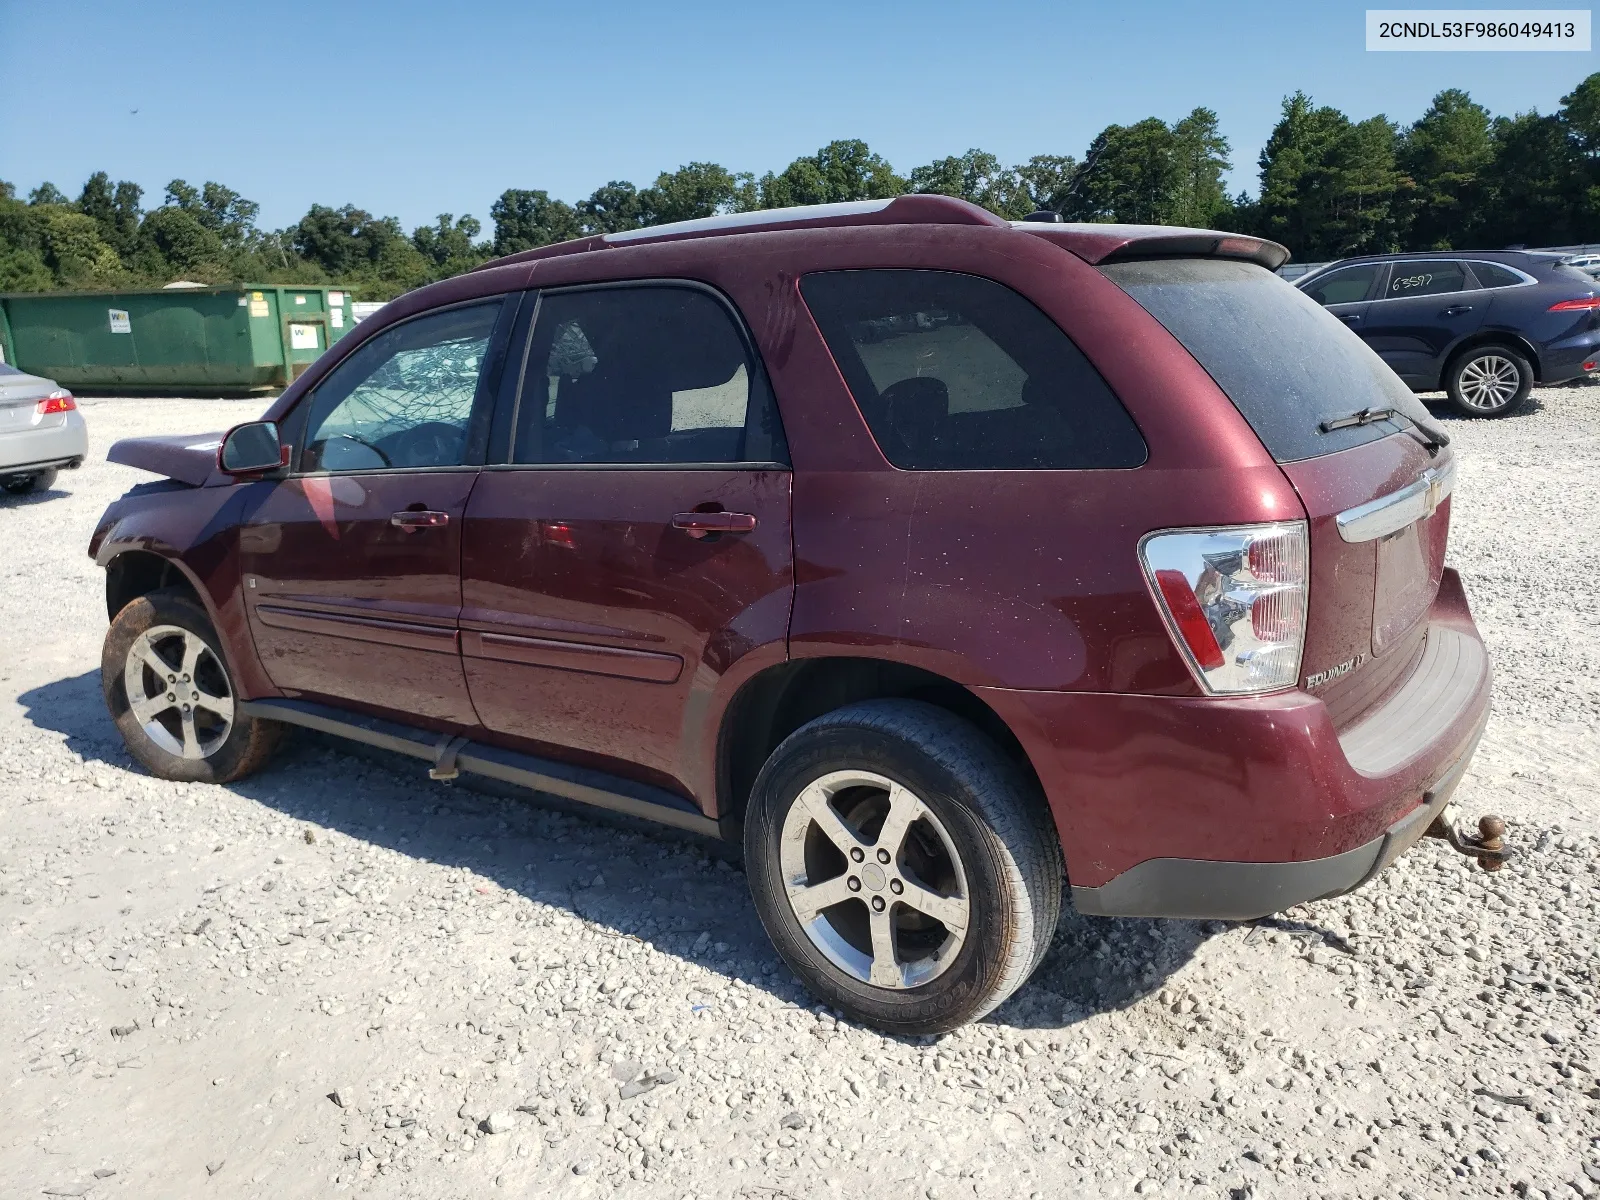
(39, 481)
(168, 690)
(905, 869)
(1489, 381)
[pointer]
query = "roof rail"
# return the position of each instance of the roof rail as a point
(899, 210)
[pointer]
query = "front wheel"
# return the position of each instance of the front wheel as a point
(167, 686)
(905, 868)
(1489, 381)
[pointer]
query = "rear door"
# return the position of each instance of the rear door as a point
(1427, 306)
(1293, 369)
(635, 544)
(352, 564)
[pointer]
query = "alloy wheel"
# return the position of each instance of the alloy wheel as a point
(874, 879)
(178, 691)
(1489, 383)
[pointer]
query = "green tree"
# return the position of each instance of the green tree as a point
(220, 209)
(450, 244)
(1131, 174)
(1446, 154)
(841, 171)
(1538, 195)
(612, 208)
(525, 219)
(977, 176)
(114, 209)
(1201, 159)
(1329, 186)
(173, 242)
(47, 193)
(695, 190)
(1047, 180)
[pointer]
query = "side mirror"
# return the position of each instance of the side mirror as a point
(252, 449)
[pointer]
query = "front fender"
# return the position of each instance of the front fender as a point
(196, 532)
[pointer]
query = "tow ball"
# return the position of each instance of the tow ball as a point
(1489, 847)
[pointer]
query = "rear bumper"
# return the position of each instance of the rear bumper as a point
(1240, 891)
(1563, 360)
(64, 445)
(1186, 807)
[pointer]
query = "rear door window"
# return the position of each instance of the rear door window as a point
(642, 374)
(1425, 279)
(1343, 287)
(1493, 275)
(1286, 362)
(958, 373)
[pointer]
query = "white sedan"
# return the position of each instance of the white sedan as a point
(41, 431)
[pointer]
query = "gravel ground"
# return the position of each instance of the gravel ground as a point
(339, 976)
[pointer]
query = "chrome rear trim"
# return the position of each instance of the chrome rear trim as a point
(1389, 514)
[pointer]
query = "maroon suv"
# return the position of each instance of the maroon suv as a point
(942, 559)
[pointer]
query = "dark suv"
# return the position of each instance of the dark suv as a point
(1483, 326)
(940, 559)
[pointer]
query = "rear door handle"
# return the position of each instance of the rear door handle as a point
(1455, 310)
(413, 519)
(704, 524)
(1350, 318)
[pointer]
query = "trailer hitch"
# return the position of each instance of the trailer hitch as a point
(1488, 847)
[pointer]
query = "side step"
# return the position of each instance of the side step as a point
(449, 753)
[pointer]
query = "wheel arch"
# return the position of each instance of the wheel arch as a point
(1493, 337)
(135, 573)
(778, 700)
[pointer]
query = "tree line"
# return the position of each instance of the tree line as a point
(1329, 186)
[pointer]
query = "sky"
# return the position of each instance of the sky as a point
(413, 109)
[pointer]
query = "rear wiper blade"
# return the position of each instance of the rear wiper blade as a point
(1365, 416)
(1433, 439)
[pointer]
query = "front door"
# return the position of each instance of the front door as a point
(1345, 292)
(1426, 308)
(352, 564)
(636, 546)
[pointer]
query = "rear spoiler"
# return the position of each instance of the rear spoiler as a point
(1098, 244)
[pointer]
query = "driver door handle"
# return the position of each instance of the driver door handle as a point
(704, 524)
(413, 519)
(1350, 318)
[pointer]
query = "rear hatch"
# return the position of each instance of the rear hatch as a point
(1373, 487)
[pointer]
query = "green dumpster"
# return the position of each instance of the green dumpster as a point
(231, 339)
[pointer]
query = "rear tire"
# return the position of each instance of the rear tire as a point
(1489, 381)
(186, 726)
(21, 485)
(906, 870)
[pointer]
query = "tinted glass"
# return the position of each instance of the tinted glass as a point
(642, 375)
(957, 373)
(1343, 287)
(1286, 363)
(1424, 279)
(1492, 275)
(405, 398)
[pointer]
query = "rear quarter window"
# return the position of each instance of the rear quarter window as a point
(958, 373)
(1285, 362)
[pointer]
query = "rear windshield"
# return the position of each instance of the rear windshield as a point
(1285, 361)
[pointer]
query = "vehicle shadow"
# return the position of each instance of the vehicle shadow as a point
(24, 499)
(683, 894)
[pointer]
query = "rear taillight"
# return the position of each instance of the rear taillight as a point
(59, 401)
(1575, 305)
(1234, 600)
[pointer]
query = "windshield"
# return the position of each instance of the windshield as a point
(1287, 364)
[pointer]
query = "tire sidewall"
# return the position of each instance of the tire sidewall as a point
(1524, 375)
(962, 990)
(139, 615)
